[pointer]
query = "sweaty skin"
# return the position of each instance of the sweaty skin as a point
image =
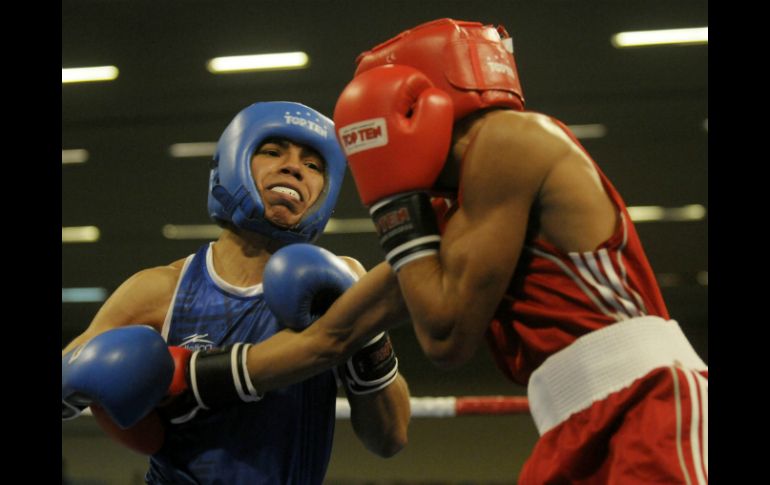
(515, 172)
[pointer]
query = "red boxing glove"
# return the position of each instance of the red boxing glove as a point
(396, 130)
(145, 437)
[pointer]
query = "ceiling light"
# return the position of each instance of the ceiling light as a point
(83, 295)
(661, 37)
(212, 231)
(588, 131)
(703, 278)
(74, 156)
(89, 74)
(188, 150)
(349, 226)
(80, 234)
(194, 231)
(692, 212)
(260, 62)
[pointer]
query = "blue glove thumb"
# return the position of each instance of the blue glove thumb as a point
(301, 281)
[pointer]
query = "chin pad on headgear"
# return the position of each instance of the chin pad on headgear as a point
(233, 195)
(472, 62)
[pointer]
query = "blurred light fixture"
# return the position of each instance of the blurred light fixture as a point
(212, 231)
(74, 156)
(189, 150)
(698, 35)
(588, 131)
(83, 295)
(349, 226)
(191, 231)
(88, 74)
(80, 234)
(692, 212)
(703, 278)
(706, 125)
(646, 213)
(259, 62)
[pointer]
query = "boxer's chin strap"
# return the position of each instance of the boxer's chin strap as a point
(241, 209)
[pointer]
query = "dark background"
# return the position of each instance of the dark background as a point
(653, 102)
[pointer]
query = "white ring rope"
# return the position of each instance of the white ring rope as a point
(447, 407)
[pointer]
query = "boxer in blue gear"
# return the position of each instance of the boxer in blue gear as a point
(252, 399)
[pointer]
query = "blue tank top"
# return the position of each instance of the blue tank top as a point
(285, 438)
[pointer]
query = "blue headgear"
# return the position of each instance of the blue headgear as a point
(233, 195)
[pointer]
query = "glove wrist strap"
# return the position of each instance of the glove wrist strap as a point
(407, 228)
(218, 377)
(372, 368)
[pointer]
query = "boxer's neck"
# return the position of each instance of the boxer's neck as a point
(240, 256)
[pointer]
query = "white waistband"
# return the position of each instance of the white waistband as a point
(603, 362)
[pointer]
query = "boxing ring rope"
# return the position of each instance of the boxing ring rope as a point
(447, 406)
(452, 406)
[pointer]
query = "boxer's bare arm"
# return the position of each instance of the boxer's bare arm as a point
(380, 419)
(452, 297)
(143, 299)
(373, 305)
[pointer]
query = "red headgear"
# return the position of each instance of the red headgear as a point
(472, 62)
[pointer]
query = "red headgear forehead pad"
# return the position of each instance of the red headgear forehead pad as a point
(468, 60)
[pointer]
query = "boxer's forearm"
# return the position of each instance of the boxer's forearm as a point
(373, 305)
(381, 420)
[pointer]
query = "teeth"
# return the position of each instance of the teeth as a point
(286, 190)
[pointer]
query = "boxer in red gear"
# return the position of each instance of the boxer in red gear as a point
(536, 256)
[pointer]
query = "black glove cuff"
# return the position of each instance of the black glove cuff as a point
(218, 377)
(373, 367)
(71, 409)
(407, 227)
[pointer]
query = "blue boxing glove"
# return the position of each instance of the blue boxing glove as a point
(127, 371)
(301, 281)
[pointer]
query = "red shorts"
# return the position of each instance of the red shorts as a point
(652, 430)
